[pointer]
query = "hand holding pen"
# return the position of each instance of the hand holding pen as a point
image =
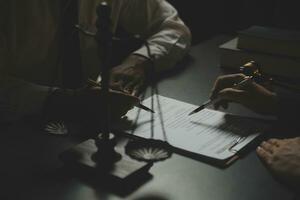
(139, 105)
(241, 89)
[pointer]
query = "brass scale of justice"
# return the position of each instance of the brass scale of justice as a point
(253, 69)
(104, 154)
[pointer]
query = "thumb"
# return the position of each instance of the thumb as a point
(234, 95)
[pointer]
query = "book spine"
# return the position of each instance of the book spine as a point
(277, 47)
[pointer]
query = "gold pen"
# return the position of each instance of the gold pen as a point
(94, 83)
(240, 84)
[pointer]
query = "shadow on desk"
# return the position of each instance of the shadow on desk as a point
(236, 123)
(151, 197)
(179, 68)
(90, 178)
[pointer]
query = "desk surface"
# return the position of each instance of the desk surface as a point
(29, 158)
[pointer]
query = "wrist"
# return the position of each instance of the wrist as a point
(140, 62)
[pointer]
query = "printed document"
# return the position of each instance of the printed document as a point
(210, 133)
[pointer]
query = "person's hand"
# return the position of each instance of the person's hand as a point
(282, 158)
(251, 95)
(131, 75)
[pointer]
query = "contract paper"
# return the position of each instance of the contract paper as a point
(209, 133)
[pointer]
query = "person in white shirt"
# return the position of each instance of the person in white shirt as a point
(30, 60)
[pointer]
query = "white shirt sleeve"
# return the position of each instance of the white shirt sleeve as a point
(158, 22)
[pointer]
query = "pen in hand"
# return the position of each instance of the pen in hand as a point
(94, 83)
(238, 85)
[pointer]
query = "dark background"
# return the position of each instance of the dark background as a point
(210, 17)
(29, 157)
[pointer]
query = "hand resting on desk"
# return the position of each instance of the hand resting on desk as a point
(281, 157)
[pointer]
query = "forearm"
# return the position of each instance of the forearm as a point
(166, 48)
(158, 23)
(139, 61)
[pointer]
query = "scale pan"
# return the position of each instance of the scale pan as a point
(148, 150)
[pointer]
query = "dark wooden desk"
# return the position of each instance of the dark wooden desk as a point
(29, 158)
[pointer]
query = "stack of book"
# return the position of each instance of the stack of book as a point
(277, 51)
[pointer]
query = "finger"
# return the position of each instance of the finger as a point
(115, 87)
(263, 155)
(116, 72)
(118, 85)
(234, 95)
(267, 147)
(221, 103)
(225, 105)
(250, 85)
(275, 142)
(121, 75)
(217, 106)
(130, 86)
(226, 81)
(137, 90)
(268, 85)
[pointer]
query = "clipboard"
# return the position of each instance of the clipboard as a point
(210, 134)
